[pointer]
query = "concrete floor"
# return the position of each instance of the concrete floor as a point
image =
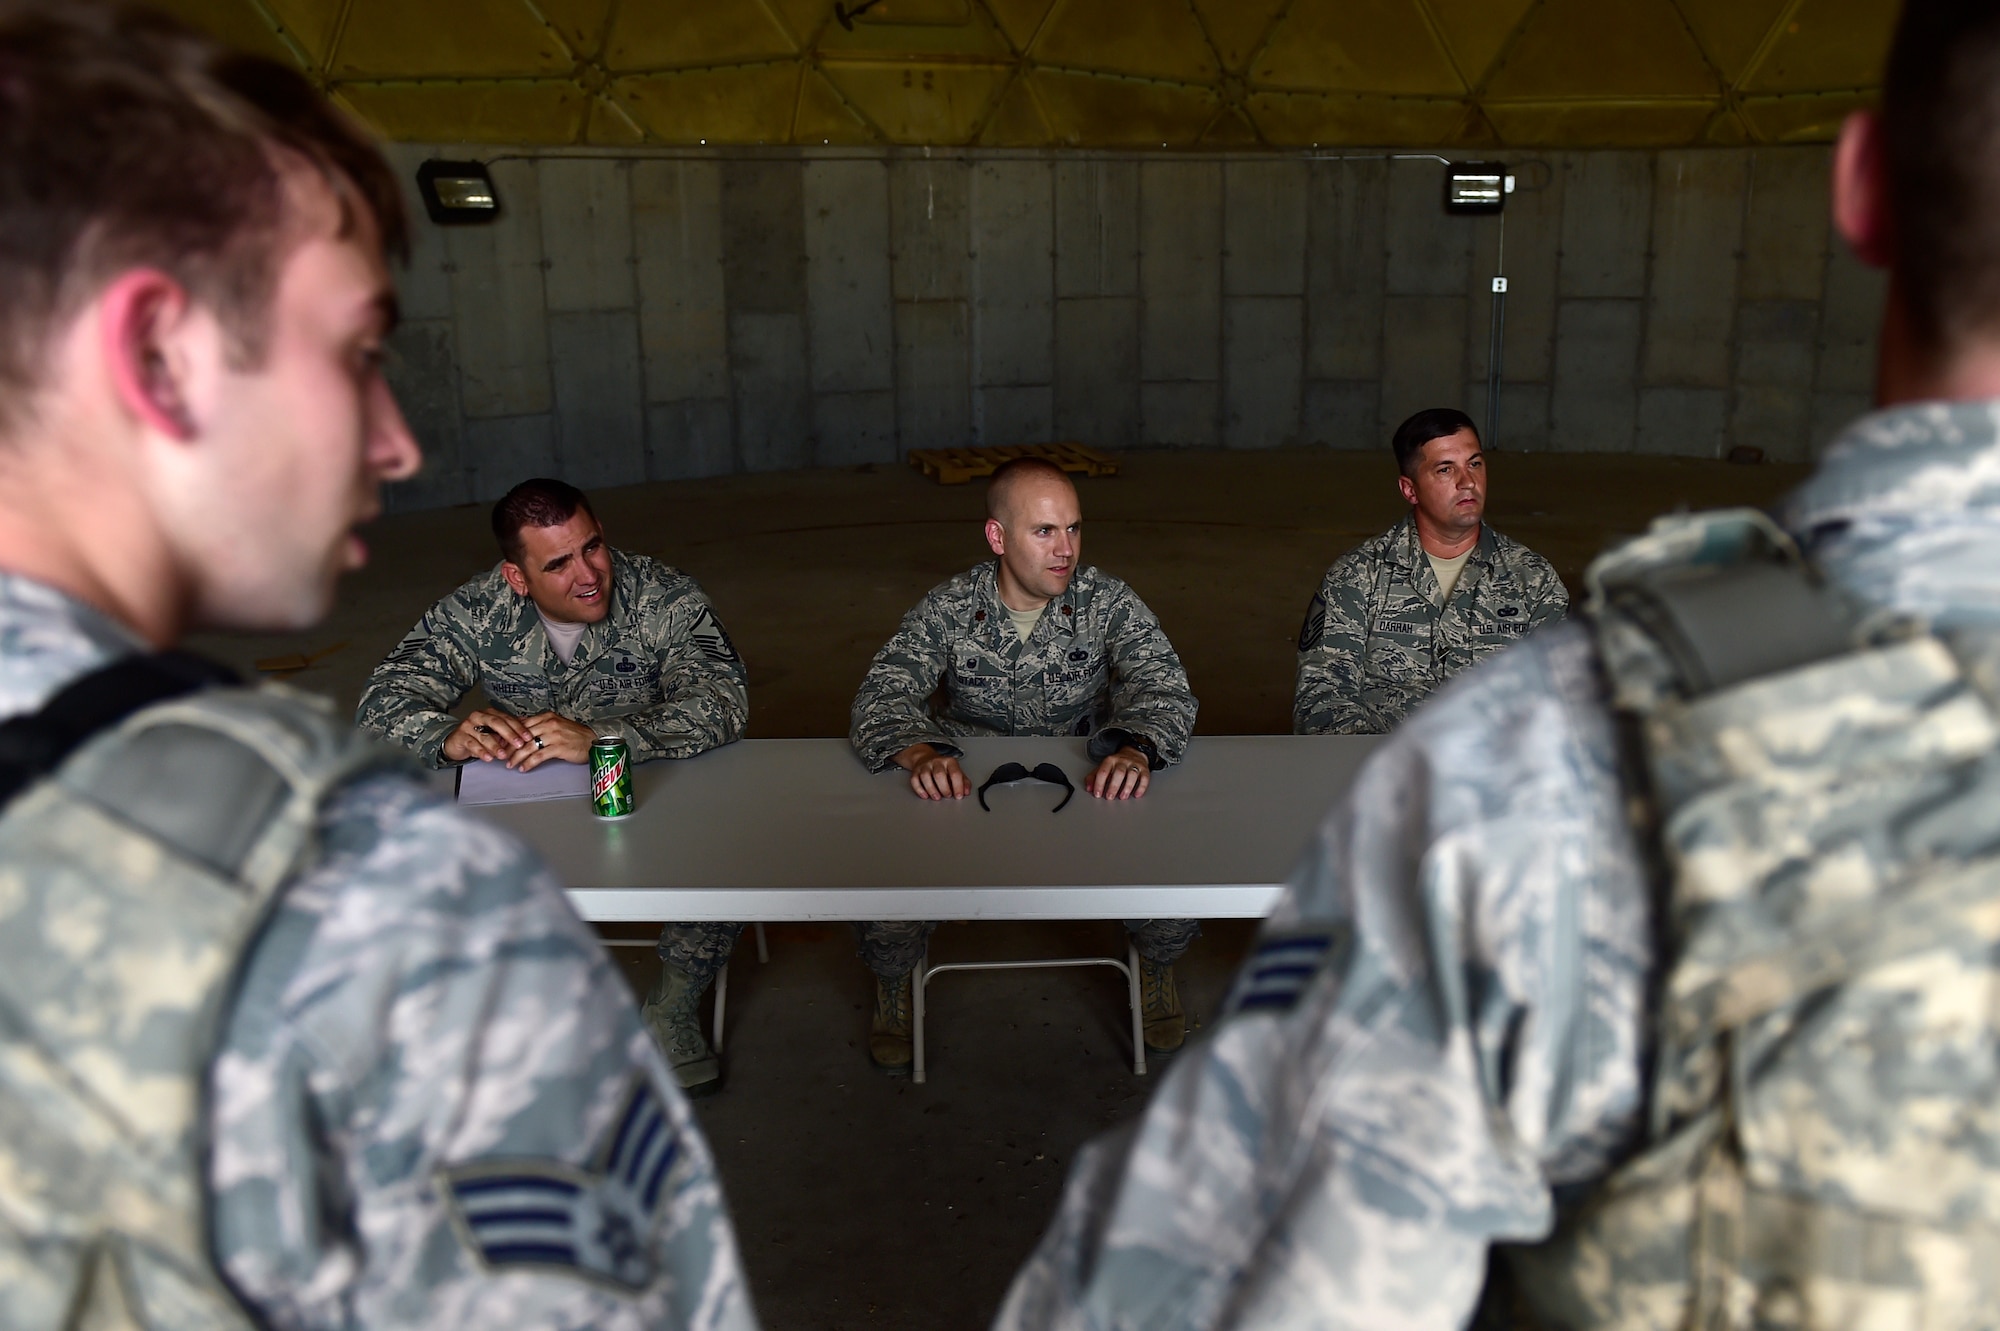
(866, 1202)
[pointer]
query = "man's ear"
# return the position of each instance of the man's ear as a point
(1408, 488)
(996, 536)
(515, 577)
(1861, 190)
(144, 320)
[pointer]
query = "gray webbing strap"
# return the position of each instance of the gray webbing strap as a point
(1729, 625)
(201, 792)
(35, 744)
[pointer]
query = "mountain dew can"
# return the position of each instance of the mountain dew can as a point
(610, 778)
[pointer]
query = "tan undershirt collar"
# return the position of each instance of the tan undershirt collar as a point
(1024, 620)
(1448, 571)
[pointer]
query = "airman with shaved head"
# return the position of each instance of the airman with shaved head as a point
(1032, 642)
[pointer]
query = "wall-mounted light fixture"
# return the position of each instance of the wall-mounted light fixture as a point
(457, 193)
(1476, 187)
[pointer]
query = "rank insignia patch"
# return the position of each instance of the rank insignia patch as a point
(1281, 969)
(411, 646)
(712, 638)
(1315, 625)
(594, 1223)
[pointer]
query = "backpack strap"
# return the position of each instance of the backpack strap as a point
(1724, 626)
(1705, 601)
(35, 744)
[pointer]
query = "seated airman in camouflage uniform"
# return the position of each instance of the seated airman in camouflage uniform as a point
(1033, 643)
(571, 639)
(285, 1041)
(1665, 944)
(1399, 615)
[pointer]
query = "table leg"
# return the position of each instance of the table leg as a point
(926, 972)
(721, 1001)
(763, 952)
(917, 983)
(1138, 1023)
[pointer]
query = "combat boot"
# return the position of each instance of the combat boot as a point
(673, 1017)
(1165, 1025)
(890, 1045)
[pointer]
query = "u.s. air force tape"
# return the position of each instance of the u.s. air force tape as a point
(592, 1223)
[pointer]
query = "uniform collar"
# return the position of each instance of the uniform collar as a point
(1060, 612)
(48, 638)
(1416, 564)
(1904, 512)
(1409, 549)
(1925, 461)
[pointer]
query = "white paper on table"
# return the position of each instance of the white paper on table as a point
(493, 783)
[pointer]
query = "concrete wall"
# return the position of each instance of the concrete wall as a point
(650, 317)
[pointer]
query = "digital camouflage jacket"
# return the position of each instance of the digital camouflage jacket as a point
(1443, 1028)
(1096, 662)
(659, 669)
(1375, 642)
(428, 1098)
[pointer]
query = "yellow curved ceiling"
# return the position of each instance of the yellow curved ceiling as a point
(1082, 73)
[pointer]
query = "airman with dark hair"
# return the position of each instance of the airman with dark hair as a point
(570, 639)
(1399, 615)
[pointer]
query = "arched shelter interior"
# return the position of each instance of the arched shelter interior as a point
(751, 254)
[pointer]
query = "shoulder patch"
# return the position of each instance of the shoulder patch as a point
(594, 1223)
(1315, 625)
(411, 645)
(712, 638)
(1282, 968)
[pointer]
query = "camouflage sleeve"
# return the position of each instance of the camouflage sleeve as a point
(1548, 598)
(408, 697)
(1333, 645)
(890, 712)
(706, 690)
(433, 1103)
(1441, 1022)
(1149, 686)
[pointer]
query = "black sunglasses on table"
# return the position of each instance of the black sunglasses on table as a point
(1008, 773)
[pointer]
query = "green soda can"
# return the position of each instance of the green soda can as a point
(610, 778)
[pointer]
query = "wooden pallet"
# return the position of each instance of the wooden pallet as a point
(956, 466)
(293, 662)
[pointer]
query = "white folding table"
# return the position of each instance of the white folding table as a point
(766, 830)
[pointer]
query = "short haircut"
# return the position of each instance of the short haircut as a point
(1428, 424)
(1011, 475)
(542, 502)
(1941, 131)
(129, 140)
